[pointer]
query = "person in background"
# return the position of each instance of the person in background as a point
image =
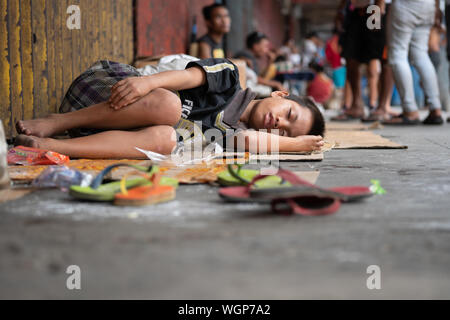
(434, 46)
(410, 26)
(218, 22)
(384, 110)
(258, 48)
(311, 48)
(361, 45)
(290, 52)
(334, 59)
(321, 87)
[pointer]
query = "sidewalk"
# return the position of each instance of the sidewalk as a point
(198, 247)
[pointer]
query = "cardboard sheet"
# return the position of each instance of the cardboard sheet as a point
(357, 126)
(335, 125)
(310, 176)
(360, 140)
(288, 157)
(192, 174)
(29, 173)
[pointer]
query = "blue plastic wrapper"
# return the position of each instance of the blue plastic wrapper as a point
(61, 177)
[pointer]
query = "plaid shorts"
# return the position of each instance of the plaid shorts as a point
(93, 87)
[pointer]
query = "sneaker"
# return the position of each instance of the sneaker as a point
(4, 177)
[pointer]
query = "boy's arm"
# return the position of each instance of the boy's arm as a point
(130, 90)
(256, 142)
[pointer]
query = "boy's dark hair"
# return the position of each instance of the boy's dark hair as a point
(255, 38)
(318, 124)
(208, 10)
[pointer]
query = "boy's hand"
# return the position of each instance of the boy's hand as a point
(309, 143)
(128, 91)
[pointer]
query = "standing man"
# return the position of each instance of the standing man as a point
(410, 26)
(218, 22)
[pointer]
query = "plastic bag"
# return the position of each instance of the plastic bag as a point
(186, 154)
(61, 177)
(31, 156)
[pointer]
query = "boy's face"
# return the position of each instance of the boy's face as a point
(262, 48)
(276, 112)
(220, 20)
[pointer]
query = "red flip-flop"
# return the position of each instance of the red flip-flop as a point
(306, 206)
(301, 198)
(298, 187)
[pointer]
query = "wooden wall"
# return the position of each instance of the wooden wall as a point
(40, 56)
(164, 27)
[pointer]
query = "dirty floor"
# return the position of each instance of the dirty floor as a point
(198, 247)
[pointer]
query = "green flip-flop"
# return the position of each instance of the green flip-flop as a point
(105, 192)
(242, 177)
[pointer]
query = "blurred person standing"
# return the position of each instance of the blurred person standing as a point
(434, 46)
(333, 54)
(409, 26)
(361, 45)
(386, 82)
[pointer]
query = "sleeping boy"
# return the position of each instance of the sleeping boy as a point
(110, 109)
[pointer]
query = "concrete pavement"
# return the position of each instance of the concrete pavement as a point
(198, 247)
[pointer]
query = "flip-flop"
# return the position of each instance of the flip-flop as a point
(106, 192)
(146, 195)
(375, 117)
(242, 177)
(403, 121)
(306, 206)
(299, 187)
(309, 201)
(343, 117)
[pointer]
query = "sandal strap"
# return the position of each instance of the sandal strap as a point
(295, 208)
(97, 182)
(286, 175)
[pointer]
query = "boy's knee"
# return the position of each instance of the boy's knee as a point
(165, 138)
(170, 104)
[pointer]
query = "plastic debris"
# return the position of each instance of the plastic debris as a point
(61, 177)
(30, 156)
(376, 187)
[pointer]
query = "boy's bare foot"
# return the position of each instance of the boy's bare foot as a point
(28, 141)
(44, 127)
